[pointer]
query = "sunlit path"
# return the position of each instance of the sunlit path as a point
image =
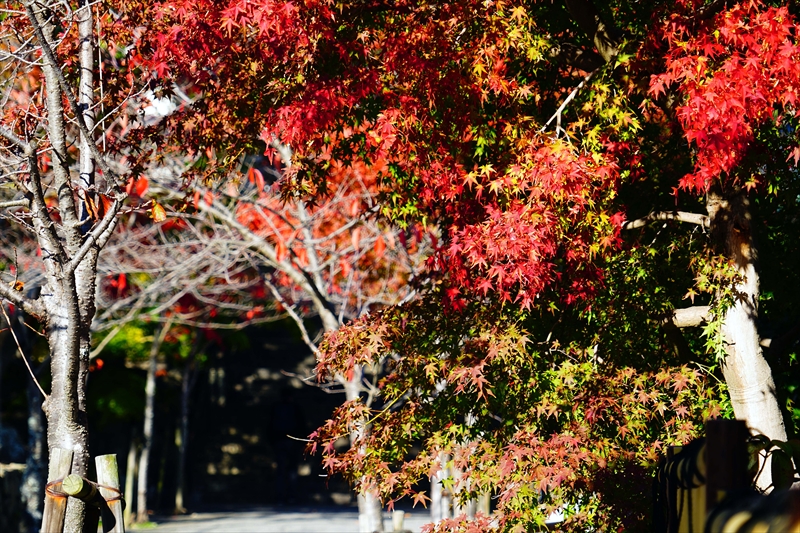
(279, 520)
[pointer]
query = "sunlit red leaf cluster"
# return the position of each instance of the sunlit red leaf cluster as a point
(736, 72)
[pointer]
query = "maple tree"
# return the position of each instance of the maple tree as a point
(565, 152)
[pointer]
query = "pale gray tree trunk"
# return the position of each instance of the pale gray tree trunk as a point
(149, 421)
(747, 374)
(370, 510)
(130, 474)
(66, 424)
(188, 378)
(436, 497)
(441, 499)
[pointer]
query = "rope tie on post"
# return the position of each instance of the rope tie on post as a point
(51, 490)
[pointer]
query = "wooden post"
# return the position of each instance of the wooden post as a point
(108, 485)
(726, 459)
(55, 500)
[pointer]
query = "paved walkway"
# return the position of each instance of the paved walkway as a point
(279, 520)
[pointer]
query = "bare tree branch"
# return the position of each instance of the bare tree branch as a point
(688, 317)
(680, 216)
(96, 237)
(557, 115)
(292, 313)
(32, 307)
(22, 202)
(9, 135)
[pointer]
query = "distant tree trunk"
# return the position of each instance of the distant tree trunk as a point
(189, 376)
(436, 497)
(747, 374)
(130, 474)
(370, 510)
(147, 429)
(440, 497)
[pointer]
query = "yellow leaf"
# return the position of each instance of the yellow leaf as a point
(157, 213)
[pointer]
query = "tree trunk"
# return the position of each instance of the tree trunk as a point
(66, 423)
(147, 429)
(747, 374)
(436, 497)
(130, 473)
(370, 510)
(440, 496)
(187, 384)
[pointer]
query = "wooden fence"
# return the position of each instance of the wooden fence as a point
(103, 498)
(705, 487)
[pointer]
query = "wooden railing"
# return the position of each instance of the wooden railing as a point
(705, 487)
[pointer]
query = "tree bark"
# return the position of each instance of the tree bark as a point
(747, 374)
(66, 424)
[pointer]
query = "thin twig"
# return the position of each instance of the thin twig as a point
(21, 353)
(572, 95)
(298, 320)
(108, 338)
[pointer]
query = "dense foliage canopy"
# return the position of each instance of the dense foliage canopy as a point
(556, 148)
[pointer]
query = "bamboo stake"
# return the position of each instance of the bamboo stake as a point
(108, 485)
(55, 501)
(86, 491)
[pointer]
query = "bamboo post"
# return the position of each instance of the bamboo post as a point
(86, 491)
(55, 500)
(108, 485)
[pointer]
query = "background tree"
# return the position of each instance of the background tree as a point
(331, 260)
